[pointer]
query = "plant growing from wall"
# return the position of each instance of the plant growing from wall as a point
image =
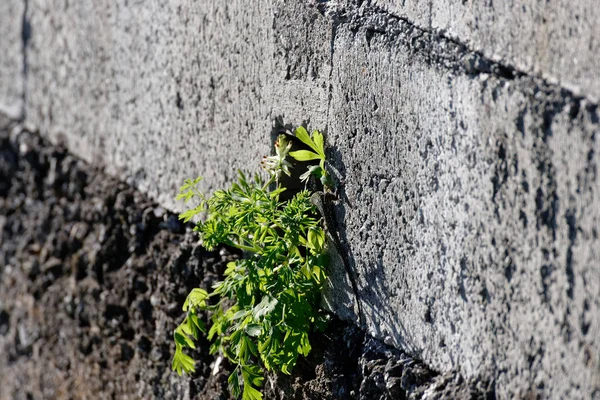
(269, 301)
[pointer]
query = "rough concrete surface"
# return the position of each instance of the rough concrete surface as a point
(471, 208)
(12, 76)
(558, 40)
(156, 91)
(475, 209)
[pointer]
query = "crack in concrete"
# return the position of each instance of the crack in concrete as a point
(25, 37)
(336, 17)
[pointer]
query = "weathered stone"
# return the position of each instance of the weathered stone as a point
(158, 92)
(474, 211)
(12, 36)
(557, 40)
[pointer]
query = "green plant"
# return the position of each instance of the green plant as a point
(269, 301)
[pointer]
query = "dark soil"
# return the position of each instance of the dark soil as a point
(93, 275)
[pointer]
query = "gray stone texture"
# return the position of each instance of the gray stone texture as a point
(558, 40)
(11, 57)
(158, 91)
(475, 210)
(472, 209)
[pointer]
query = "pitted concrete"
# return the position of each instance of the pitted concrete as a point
(12, 36)
(474, 211)
(556, 40)
(161, 91)
(158, 91)
(472, 203)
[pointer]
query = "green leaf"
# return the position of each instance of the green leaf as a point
(196, 298)
(252, 376)
(234, 382)
(319, 142)
(275, 193)
(267, 302)
(302, 134)
(317, 145)
(242, 355)
(265, 307)
(251, 346)
(182, 339)
(196, 324)
(305, 346)
(186, 216)
(264, 346)
(231, 266)
(316, 239)
(251, 393)
(239, 314)
(182, 362)
(188, 190)
(305, 155)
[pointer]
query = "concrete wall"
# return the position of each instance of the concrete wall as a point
(475, 209)
(474, 213)
(158, 91)
(558, 40)
(12, 75)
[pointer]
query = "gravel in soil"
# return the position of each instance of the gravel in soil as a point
(92, 278)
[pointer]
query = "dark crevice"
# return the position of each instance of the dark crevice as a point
(25, 37)
(572, 224)
(337, 19)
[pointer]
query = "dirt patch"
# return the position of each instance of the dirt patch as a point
(92, 278)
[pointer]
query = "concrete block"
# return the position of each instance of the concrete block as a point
(157, 92)
(11, 57)
(474, 218)
(556, 40)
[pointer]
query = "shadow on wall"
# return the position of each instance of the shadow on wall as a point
(374, 284)
(339, 295)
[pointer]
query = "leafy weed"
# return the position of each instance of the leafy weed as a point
(269, 301)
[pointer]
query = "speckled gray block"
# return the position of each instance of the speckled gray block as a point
(472, 209)
(558, 40)
(159, 91)
(475, 209)
(11, 57)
